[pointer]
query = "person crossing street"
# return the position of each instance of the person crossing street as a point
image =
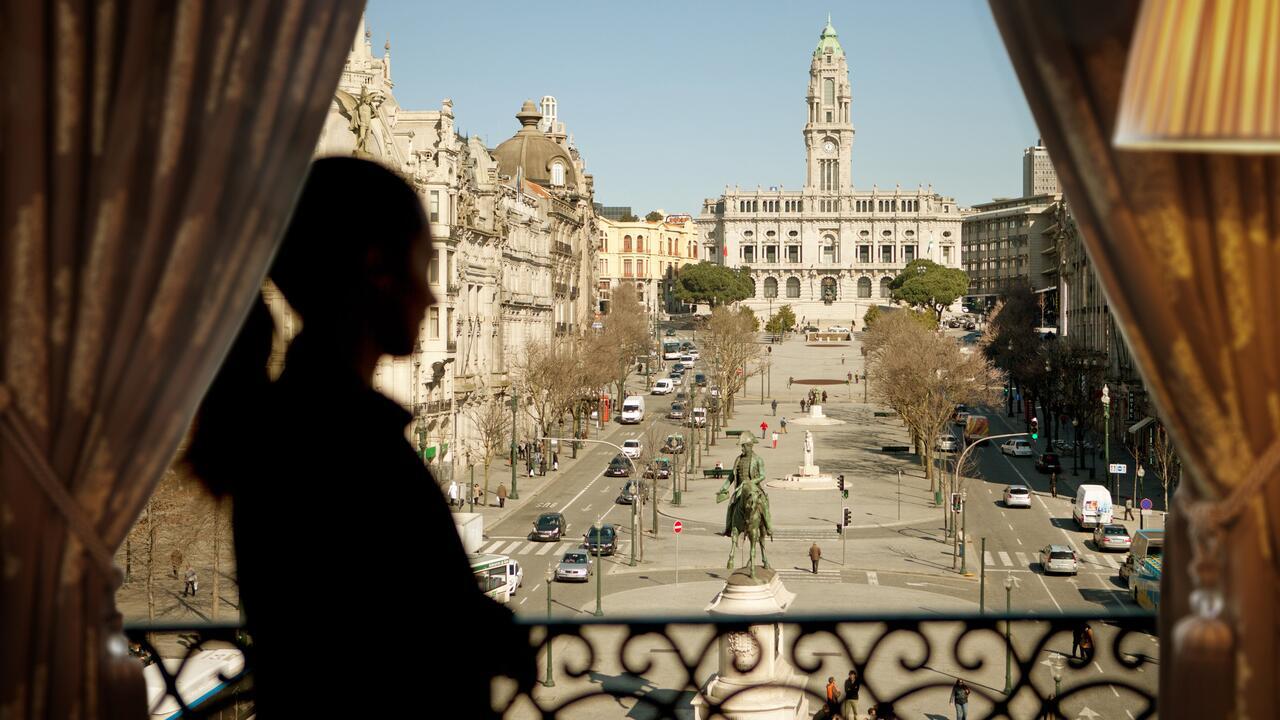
(815, 554)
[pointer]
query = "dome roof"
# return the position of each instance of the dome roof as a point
(535, 154)
(828, 40)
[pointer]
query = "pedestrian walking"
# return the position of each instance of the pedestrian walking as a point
(502, 495)
(815, 554)
(1077, 633)
(841, 358)
(1053, 484)
(1086, 643)
(478, 494)
(774, 405)
(801, 406)
(960, 698)
(852, 686)
(555, 461)
(454, 492)
(775, 439)
(824, 397)
(783, 424)
(191, 582)
(764, 430)
(833, 697)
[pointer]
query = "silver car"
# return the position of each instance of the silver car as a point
(1059, 559)
(1017, 496)
(1112, 537)
(575, 566)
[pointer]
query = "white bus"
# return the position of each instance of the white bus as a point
(497, 575)
(671, 350)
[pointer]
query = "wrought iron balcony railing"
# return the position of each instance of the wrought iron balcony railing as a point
(1017, 665)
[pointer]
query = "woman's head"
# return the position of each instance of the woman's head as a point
(355, 255)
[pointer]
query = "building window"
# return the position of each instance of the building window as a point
(433, 270)
(886, 254)
(829, 250)
(771, 253)
(604, 268)
(435, 206)
(639, 243)
(626, 243)
(771, 287)
(885, 290)
(433, 323)
(748, 253)
(864, 287)
(626, 268)
(793, 287)
(864, 253)
(793, 253)
(604, 244)
(946, 254)
(828, 94)
(557, 174)
(908, 253)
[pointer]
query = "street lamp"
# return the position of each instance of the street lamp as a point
(1008, 635)
(1106, 441)
(515, 494)
(550, 680)
(1057, 683)
(1075, 456)
(1142, 472)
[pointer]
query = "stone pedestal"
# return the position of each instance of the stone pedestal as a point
(755, 679)
(815, 411)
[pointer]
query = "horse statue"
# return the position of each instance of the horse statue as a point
(748, 512)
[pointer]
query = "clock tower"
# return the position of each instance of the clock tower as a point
(828, 135)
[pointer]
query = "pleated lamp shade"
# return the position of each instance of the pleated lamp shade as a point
(1203, 76)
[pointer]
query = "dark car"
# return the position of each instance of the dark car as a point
(549, 527)
(810, 328)
(678, 368)
(1049, 463)
(601, 539)
(671, 332)
(700, 379)
(627, 495)
(618, 467)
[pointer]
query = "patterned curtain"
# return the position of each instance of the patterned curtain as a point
(150, 151)
(1187, 247)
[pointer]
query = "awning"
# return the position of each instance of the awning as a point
(1138, 426)
(1051, 288)
(429, 453)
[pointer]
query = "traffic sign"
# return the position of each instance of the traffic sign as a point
(1119, 468)
(677, 527)
(1145, 504)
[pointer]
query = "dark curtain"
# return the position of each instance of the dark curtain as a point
(1187, 247)
(150, 151)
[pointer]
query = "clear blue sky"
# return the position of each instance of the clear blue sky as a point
(671, 101)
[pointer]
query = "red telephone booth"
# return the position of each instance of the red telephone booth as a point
(604, 408)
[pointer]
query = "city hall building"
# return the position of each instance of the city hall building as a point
(828, 250)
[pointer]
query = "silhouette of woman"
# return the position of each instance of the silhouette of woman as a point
(352, 576)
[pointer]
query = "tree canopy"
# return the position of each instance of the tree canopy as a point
(653, 216)
(628, 218)
(713, 284)
(782, 321)
(926, 284)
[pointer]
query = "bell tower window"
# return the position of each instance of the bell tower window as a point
(828, 92)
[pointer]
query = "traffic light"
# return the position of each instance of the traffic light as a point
(839, 528)
(848, 517)
(955, 502)
(840, 483)
(1035, 428)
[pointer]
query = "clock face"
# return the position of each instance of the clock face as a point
(829, 147)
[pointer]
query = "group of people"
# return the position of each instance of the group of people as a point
(844, 706)
(813, 398)
(477, 495)
(532, 455)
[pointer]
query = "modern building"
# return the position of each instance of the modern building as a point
(648, 254)
(614, 212)
(1007, 242)
(514, 247)
(1038, 175)
(827, 249)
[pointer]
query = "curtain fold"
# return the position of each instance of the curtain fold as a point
(1187, 248)
(150, 152)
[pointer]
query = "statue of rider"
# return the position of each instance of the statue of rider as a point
(747, 468)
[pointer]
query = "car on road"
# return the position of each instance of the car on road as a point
(1049, 463)
(677, 378)
(700, 379)
(946, 443)
(662, 387)
(838, 329)
(618, 467)
(1017, 448)
(970, 325)
(960, 417)
(601, 539)
(1112, 537)
(698, 418)
(714, 392)
(678, 368)
(953, 323)
(687, 361)
(1017, 496)
(575, 566)
(1059, 559)
(693, 353)
(682, 396)
(627, 495)
(549, 527)
(632, 448)
(685, 345)
(677, 411)
(674, 444)
(671, 332)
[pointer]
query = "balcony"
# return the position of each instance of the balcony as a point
(561, 248)
(907, 664)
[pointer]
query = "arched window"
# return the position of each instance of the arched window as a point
(557, 173)
(771, 287)
(885, 290)
(793, 287)
(626, 243)
(864, 287)
(639, 243)
(828, 92)
(829, 249)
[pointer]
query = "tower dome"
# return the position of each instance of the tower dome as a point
(537, 156)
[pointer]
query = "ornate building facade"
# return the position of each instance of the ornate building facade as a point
(828, 250)
(648, 254)
(514, 243)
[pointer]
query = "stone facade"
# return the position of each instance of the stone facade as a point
(513, 252)
(647, 254)
(1007, 242)
(827, 249)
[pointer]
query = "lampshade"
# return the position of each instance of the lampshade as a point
(1203, 76)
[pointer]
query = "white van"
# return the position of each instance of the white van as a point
(662, 387)
(632, 410)
(1092, 506)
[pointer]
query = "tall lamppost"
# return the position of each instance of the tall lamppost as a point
(1075, 456)
(550, 680)
(515, 494)
(1008, 634)
(599, 570)
(1112, 481)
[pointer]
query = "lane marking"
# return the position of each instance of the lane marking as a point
(987, 558)
(1114, 691)
(507, 549)
(1022, 559)
(546, 548)
(1004, 558)
(1126, 712)
(488, 548)
(1019, 540)
(872, 578)
(1049, 593)
(1112, 562)
(523, 599)
(1095, 664)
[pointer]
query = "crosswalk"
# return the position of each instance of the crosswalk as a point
(528, 547)
(799, 575)
(1020, 560)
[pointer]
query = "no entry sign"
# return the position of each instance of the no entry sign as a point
(677, 527)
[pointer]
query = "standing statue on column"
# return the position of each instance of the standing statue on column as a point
(808, 449)
(748, 512)
(362, 120)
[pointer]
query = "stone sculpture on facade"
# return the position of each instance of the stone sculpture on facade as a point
(362, 120)
(748, 511)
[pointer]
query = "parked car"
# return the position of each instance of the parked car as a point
(662, 387)
(601, 539)
(1059, 559)
(809, 328)
(627, 495)
(1017, 496)
(575, 566)
(1049, 463)
(632, 448)
(970, 325)
(1146, 543)
(549, 527)
(677, 411)
(838, 329)
(946, 443)
(1112, 537)
(674, 444)
(618, 467)
(953, 323)
(1016, 447)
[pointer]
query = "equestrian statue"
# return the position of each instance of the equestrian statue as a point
(748, 511)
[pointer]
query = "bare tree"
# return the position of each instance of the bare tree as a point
(542, 373)
(732, 353)
(489, 418)
(1168, 463)
(625, 337)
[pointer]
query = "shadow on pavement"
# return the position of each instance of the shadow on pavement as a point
(650, 701)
